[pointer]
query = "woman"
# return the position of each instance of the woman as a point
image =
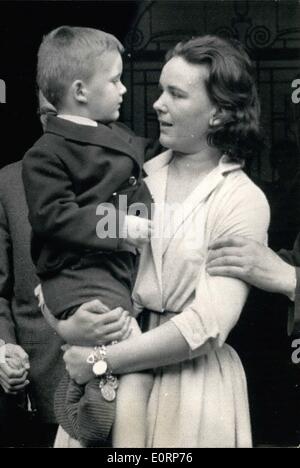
(209, 120)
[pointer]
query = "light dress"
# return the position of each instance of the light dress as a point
(202, 402)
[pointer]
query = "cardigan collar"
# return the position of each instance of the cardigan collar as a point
(157, 170)
(163, 160)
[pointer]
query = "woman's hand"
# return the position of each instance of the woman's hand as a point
(94, 324)
(76, 364)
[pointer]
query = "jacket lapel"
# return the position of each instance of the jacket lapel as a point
(113, 137)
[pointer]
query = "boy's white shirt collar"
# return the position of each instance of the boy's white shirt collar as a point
(78, 119)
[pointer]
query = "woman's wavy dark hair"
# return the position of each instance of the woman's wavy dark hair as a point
(231, 87)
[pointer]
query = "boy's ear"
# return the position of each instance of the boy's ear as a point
(79, 91)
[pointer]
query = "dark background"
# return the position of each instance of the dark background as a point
(22, 26)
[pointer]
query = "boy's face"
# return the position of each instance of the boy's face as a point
(105, 90)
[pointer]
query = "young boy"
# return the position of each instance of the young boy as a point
(80, 178)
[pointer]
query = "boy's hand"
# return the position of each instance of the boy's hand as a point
(138, 231)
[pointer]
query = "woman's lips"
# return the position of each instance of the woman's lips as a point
(165, 124)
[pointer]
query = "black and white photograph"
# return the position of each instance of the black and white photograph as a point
(150, 226)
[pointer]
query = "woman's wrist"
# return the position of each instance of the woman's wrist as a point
(110, 358)
(115, 352)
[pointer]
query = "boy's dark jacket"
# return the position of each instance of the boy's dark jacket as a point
(68, 172)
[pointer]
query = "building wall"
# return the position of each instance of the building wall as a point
(269, 29)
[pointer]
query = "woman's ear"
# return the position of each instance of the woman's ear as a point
(214, 121)
(220, 116)
(79, 91)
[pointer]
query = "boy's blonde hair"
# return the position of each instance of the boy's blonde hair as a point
(67, 54)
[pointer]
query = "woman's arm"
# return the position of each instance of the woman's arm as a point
(162, 346)
(195, 331)
(159, 347)
(252, 262)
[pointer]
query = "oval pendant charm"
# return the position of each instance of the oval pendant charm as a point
(113, 382)
(108, 392)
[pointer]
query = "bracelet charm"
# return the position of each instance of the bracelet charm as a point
(107, 391)
(108, 383)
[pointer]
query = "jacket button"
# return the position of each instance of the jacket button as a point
(132, 181)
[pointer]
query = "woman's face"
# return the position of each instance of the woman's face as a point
(183, 108)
